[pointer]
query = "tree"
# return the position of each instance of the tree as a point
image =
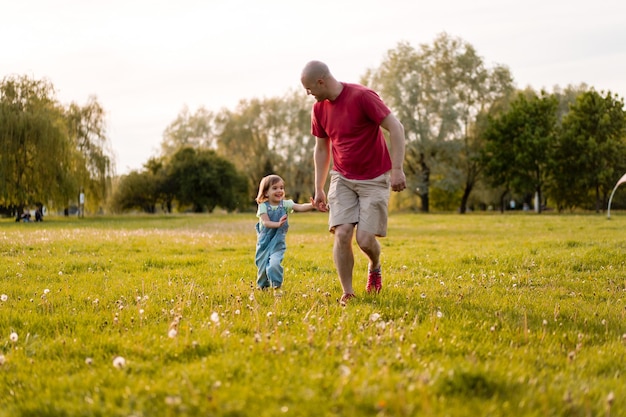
(36, 158)
(189, 130)
(137, 190)
(438, 92)
(289, 130)
(87, 134)
(47, 151)
(590, 150)
(204, 180)
(519, 141)
(245, 139)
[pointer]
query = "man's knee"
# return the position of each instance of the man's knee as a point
(366, 241)
(343, 233)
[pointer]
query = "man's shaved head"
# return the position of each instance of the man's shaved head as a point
(315, 70)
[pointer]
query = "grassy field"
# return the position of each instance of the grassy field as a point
(480, 315)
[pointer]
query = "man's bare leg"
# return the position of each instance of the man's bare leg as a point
(343, 256)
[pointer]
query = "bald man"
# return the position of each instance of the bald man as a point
(346, 121)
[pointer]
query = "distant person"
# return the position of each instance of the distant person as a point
(39, 214)
(272, 229)
(81, 203)
(346, 121)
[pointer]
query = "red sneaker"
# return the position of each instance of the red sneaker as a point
(374, 280)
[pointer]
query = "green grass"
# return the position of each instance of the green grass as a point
(480, 315)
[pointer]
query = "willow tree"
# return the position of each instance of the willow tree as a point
(47, 152)
(93, 165)
(35, 153)
(438, 92)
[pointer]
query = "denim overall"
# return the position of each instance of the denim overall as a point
(270, 249)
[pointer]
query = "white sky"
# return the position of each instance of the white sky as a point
(145, 60)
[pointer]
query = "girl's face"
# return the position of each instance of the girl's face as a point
(276, 192)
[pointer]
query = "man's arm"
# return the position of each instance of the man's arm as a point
(396, 137)
(321, 159)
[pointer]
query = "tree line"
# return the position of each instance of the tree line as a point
(473, 141)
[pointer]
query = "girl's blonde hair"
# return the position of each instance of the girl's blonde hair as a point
(265, 185)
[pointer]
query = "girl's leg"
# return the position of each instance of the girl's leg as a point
(275, 269)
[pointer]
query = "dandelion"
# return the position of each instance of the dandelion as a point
(610, 398)
(374, 316)
(2, 360)
(173, 400)
(60, 273)
(46, 291)
(172, 333)
(284, 409)
(269, 314)
(141, 311)
(215, 317)
(237, 312)
(251, 298)
(89, 361)
(4, 297)
(439, 314)
(13, 337)
(344, 371)
(423, 295)
(119, 362)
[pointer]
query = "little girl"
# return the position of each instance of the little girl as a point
(271, 230)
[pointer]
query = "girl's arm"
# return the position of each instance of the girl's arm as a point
(265, 220)
(304, 207)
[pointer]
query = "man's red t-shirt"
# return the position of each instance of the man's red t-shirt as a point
(352, 123)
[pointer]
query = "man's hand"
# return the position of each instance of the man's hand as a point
(319, 202)
(398, 179)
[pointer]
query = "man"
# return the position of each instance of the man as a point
(346, 121)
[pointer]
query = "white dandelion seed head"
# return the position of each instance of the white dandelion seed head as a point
(13, 337)
(269, 314)
(610, 398)
(141, 311)
(4, 297)
(439, 314)
(284, 409)
(237, 312)
(215, 317)
(423, 295)
(344, 370)
(46, 291)
(88, 361)
(172, 333)
(374, 316)
(119, 362)
(60, 272)
(251, 297)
